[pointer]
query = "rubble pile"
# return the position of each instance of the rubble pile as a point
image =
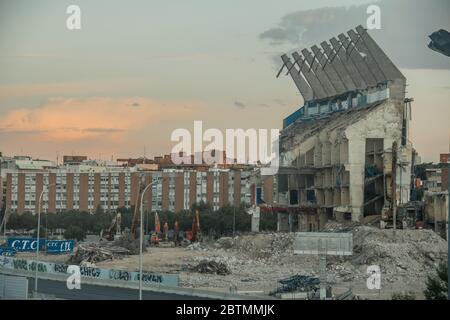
(126, 241)
(408, 251)
(212, 267)
(224, 243)
(91, 254)
(334, 226)
(196, 246)
(266, 245)
(297, 283)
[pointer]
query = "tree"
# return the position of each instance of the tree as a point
(74, 232)
(42, 233)
(437, 285)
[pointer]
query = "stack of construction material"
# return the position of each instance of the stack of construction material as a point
(213, 267)
(91, 254)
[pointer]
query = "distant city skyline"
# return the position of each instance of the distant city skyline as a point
(138, 70)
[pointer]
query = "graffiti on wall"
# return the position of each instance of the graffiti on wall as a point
(89, 272)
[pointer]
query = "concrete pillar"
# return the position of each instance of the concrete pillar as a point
(301, 84)
(358, 61)
(339, 67)
(303, 222)
(385, 64)
(323, 78)
(323, 218)
(369, 59)
(283, 222)
(329, 70)
(255, 222)
(318, 91)
(348, 64)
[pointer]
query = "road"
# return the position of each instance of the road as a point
(58, 289)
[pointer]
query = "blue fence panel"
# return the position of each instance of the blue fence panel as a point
(8, 252)
(25, 244)
(52, 246)
(60, 246)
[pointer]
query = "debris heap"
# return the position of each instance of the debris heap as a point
(213, 267)
(92, 253)
(297, 283)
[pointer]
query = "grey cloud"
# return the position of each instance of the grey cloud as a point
(135, 104)
(239, 104)
(103, 130)
(280, 35)
(13, 131)
(405, 27)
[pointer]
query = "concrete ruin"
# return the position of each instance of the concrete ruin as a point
(336, 150)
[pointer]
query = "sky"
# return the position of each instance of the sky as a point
(137, 70)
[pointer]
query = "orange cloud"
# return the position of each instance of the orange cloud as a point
(92, 118)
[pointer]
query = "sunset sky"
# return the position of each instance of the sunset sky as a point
(139, 69)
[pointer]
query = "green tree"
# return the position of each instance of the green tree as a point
(42, 233)
(437, 285)
(74, 232)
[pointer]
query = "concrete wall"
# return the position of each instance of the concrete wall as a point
(385, 123)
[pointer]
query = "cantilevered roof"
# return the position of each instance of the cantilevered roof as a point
(348, 62)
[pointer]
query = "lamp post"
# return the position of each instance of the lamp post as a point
(141, 236)
(37, 238)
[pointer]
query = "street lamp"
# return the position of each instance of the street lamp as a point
(38, 234)
(141, 236)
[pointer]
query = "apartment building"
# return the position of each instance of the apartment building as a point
(85, 188)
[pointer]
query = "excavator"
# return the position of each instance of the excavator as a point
(155, 236)
(114, 228)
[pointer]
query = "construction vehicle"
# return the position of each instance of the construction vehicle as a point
(155, 238)
(176, 233)
(114, 229)
(165, 231)
(196, 235)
